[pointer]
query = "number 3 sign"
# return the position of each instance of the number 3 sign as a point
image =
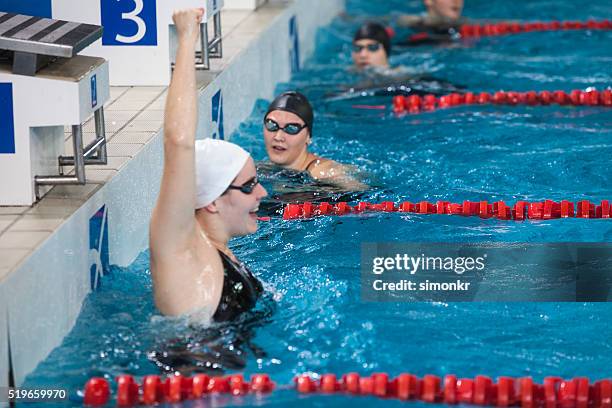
(129, 22)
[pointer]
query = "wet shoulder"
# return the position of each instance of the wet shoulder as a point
(323, 168)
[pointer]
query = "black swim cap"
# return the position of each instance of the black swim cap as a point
(296, 103)
(376, 32)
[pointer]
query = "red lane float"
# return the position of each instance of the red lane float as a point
(505, 28)
(521, 210)
(482, 390)
(417, 104)
(554, 392)
(173, 389)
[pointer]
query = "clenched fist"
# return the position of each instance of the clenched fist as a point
(187, 23)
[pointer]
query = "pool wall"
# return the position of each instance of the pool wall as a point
(41, 300)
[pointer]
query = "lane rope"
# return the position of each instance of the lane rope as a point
(554, 392)
(505, 28)
(520, 211)
(417, 104)
(509, 28)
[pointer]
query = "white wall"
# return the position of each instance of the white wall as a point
(243, 4)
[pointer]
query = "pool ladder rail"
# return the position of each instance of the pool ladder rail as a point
(93, 154)
(209, 47)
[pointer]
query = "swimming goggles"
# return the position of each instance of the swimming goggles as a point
(247, 187)
(290, 128)
(371, 47)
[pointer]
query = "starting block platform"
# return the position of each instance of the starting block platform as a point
(139, 38)
(34, 41)
(44, 86)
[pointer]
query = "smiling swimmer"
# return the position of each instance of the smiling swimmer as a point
(209, 194)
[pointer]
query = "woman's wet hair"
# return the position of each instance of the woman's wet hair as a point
(296, 103)
(376, 32)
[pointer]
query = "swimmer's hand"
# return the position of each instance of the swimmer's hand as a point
(187, 23)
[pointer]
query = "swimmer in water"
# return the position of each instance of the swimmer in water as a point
(371, 52)
(209, 194)
(371, 46)
(440, 25)
(440, 14)
(287, 135)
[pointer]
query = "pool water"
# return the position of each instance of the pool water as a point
(317, 322)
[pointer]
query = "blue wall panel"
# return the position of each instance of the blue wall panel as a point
(39, 8)
(7, 124)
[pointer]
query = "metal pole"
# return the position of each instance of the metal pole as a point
(218, 35)
(204, 45)
(79, 168)
(79, 159)
(100, 134)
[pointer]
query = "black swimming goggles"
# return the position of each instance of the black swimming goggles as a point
(371, 47)
(290, 128)
(247, 187)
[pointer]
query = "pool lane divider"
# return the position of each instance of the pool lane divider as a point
(417, 104)
(173, 389)
(514, 27)
(554, 392)
(520, 211)
(505, 28)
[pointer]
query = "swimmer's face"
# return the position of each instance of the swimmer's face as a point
(364, 55)
(239, 210)
(286, 150)
(446, 9)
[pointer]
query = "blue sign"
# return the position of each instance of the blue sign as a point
(129, 22)
(98, 247)
(217, 116)
(38, 8)
(94, 91)
(7, 121)
(294, 45)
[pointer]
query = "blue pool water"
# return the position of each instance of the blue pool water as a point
(469, 153)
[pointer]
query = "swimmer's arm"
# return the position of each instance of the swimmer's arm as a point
(409, 20)
(185, 284)
(173, 224)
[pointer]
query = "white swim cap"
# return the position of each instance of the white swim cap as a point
(217, 163)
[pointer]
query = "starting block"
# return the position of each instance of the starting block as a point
(139, 38)
(45, 85)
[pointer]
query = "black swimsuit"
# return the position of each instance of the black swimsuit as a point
(310, 164)
(219, 347)
(241, 289)
(439, 33)
(398, 84)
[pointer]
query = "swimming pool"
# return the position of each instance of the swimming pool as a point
(488, 153)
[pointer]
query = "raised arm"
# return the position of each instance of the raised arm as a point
(173, 223)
